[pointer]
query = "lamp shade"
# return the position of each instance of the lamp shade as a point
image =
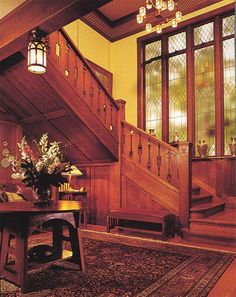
(37, 57)
(37, 47)
(73, 172)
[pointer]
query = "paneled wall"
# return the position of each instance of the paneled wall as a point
(10, 134)
(102, 185)
(219, 173)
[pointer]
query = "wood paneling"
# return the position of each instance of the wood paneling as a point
(160, 190)
(10, 134)
(48, 103)
(219, 173)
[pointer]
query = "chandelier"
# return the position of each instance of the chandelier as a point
(158, 6)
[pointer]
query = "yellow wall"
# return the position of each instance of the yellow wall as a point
(93, 46)
(119, 57)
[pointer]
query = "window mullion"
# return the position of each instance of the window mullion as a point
(190, 86)
(219, 102)
(165, 101)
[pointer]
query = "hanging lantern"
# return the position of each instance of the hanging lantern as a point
(37, 47)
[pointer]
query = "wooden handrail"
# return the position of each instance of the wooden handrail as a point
(85, 62)
(65, 56)
(169, 164)
(154, 139)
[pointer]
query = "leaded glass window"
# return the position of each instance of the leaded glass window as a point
(205, 98)
(177, 42)
(167, 93)
(204, 33)
(153, 50)
(229, 83)
(154, 97)
(228, 25)
(177, 97)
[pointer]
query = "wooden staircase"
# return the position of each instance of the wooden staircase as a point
(210, 222)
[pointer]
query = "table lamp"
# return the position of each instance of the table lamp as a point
(73, 172)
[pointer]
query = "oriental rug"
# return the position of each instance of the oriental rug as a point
(119, 270)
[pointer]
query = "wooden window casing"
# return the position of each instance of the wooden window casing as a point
(188, 26)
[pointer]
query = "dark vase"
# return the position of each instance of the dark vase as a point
(43, 196)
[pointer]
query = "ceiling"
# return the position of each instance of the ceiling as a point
(117, 19)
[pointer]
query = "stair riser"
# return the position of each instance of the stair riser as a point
(201, 201)
(212, 227)
(206, 213)
(210, 240)
(196, 191)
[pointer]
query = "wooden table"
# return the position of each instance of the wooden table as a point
(74, 195)
(18, 221)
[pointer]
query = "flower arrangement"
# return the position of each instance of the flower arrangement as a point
(42, 169)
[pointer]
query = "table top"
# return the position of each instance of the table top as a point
(29, 207)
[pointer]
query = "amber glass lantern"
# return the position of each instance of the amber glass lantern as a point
(37, 48)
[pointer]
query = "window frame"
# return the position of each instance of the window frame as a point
(188, 26)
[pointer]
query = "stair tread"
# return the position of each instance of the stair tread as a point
(225, 217)
(227, 234)
(206, 206)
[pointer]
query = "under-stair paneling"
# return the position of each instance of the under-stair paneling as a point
(135, 197)
(218, 173)
(40, 104)
(161, 191)
(10, 134)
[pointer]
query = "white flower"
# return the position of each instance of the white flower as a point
(39, 166)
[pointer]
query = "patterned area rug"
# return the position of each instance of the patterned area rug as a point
(114, 269)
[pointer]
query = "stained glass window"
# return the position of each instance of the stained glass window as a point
(204, 33)
(152, 50)
(228, 25)
(154, 97)
(163, 57)
(229, 93)
(177, 97)
(177, 42)
(205, 98)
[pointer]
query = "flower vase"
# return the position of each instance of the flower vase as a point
(43, 196)
(202, 148)
(232, 146)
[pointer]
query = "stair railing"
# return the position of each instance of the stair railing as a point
(170, 164)
(73, 66)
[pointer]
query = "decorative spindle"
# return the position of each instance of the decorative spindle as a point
(99, 93)
(76, 70)
(140, 149)
(159, 160)
(111, 123)
(169, 155)
(131, 132)
(58, 49)
(149, 154)
(91, 91)
(84, 77)
(105, 111)
(67, 60)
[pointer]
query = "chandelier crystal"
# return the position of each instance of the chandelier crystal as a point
(158, 6)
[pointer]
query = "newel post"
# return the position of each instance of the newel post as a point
(185, 182)
(116, 180)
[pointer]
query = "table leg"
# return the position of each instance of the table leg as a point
(76, 246)
(57, 234)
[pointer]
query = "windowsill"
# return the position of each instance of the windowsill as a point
(213, 158)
